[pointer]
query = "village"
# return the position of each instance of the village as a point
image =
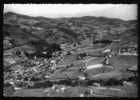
(69, 66)
(78, 54)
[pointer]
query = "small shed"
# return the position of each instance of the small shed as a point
(133, 69)
(128, 51)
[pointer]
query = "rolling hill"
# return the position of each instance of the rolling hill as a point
(20, 30)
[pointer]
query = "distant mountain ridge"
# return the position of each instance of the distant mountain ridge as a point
(22, 28)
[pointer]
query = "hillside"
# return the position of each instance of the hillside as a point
(69, 57)
(61, 30)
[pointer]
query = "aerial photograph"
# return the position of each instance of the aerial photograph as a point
(70, 50)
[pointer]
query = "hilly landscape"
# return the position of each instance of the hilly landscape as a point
(67, 29)
(62, 49)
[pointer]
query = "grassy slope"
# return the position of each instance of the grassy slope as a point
(123, 62)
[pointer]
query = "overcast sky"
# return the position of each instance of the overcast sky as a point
(122, 11)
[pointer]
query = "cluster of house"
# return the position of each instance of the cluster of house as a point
(24, 74)
(39, 64)
(128, 50)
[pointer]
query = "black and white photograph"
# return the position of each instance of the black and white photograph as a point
(70, 50)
